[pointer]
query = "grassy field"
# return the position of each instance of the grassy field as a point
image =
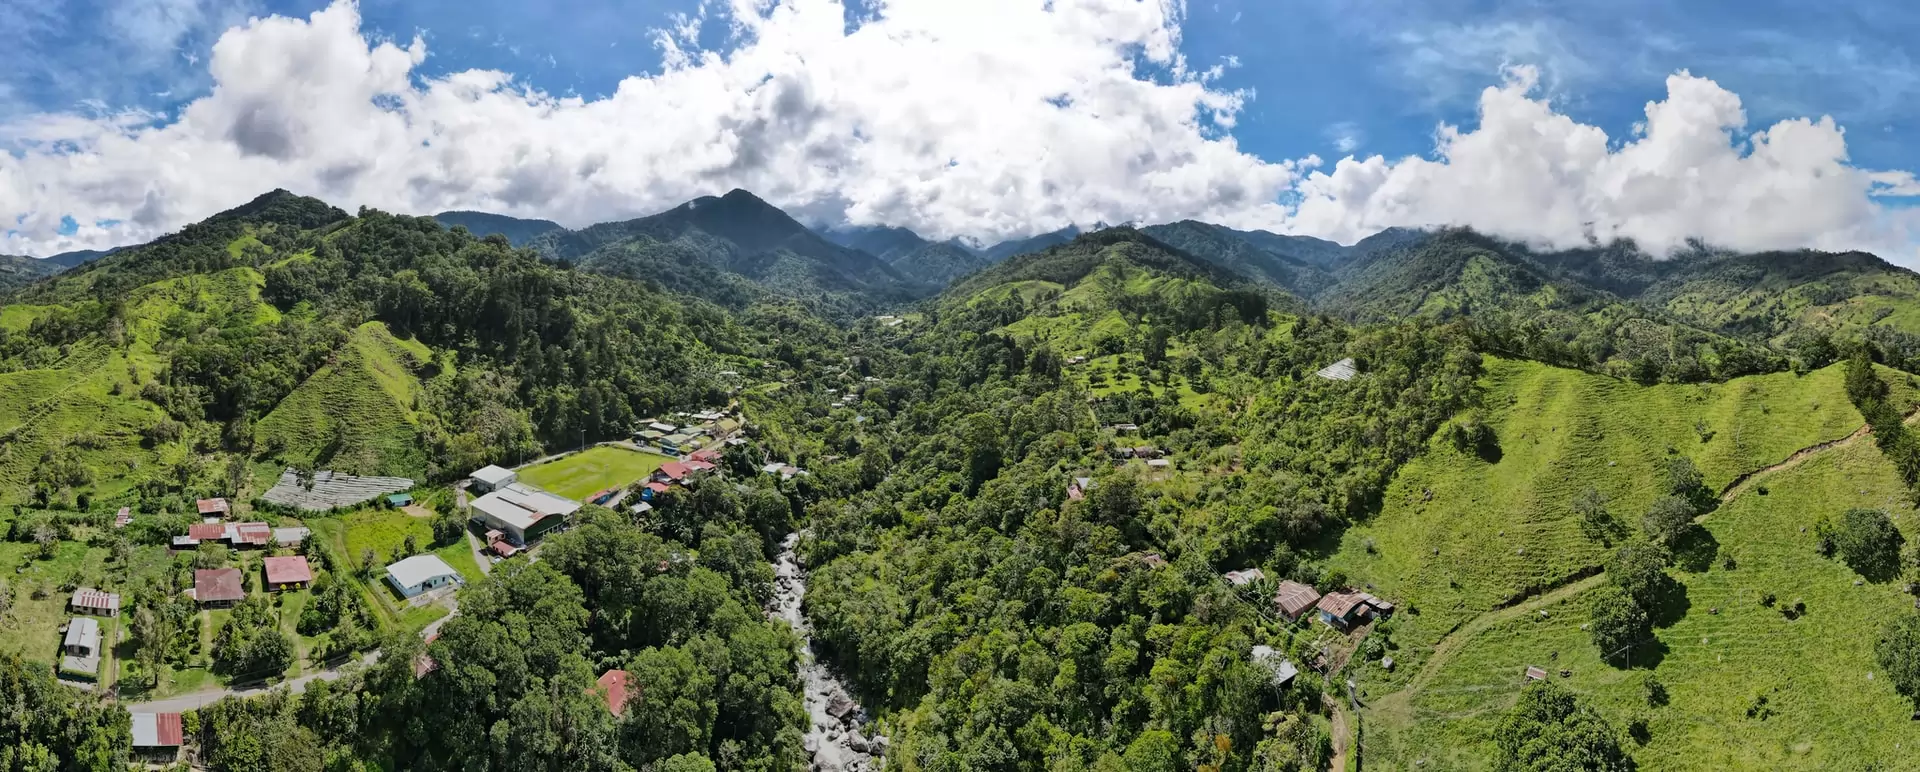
(583, 474)
(1824, 706)
(1458, 534)
(356, 414)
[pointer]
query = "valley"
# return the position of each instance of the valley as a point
(1050, 495)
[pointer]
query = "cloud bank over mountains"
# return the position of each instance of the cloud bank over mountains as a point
(989, 119)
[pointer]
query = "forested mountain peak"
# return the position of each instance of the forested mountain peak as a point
(733, 249)
(282, 207)
(519, 231)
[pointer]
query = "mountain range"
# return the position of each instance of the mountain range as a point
(1598, 308)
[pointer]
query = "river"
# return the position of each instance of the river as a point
(835, 719)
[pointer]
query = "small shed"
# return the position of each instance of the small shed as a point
(288, 573)
(287, 537)
(1243, 577)
(123, 517)
(1536, 673)
(400, 499)
(88, 600)
(213, 507)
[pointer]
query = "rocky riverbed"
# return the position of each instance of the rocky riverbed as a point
(836, 735)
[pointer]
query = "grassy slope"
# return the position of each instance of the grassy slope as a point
(1501, 529)
(365, 399)
(94, 390)
(1828, 712)
(583, 474)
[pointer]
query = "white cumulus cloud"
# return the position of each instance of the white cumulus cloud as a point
(990, 118)
(1528, 172)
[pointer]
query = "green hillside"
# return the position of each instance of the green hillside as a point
(1458, 534)
(356, 414)
(1748, 688)
(1520, 308)
(17, 271)
(1233, 250)
(283, 331)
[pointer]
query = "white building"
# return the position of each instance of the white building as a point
(523, 512)
(493, 478)
(421, 573)
(80, 650)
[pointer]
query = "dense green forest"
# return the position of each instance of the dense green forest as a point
(1017, 497)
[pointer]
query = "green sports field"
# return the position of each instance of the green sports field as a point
(582, 474)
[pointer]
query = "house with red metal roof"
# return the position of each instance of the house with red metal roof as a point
(288, 573)
(200, 532)
(87, 600)
(157, 737)
(1344, 609)
(213, 508)
(250, 535)
(672, 471)
(1292, 599)
(219, 587)
(613, 684)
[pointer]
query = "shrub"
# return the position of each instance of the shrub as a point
(1867, 541)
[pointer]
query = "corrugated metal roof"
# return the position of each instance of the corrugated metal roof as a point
(1342, 370)
(493, 475)
(218, 584)
(83, 632)
(288, 569)
(157, 730)
(419, 569)
(89, 598)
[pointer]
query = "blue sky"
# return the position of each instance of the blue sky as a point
(1325, 78)
(1381, 71)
